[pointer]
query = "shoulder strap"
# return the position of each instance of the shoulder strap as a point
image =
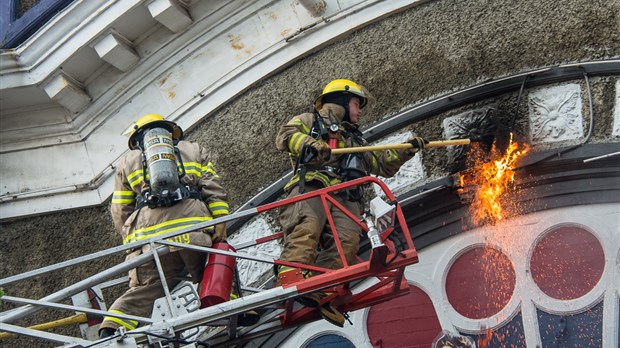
(319, 130)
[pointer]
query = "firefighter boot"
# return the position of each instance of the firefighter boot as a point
(248, 318)
(331, 314)
(106, 332)
(288, 275)
(328, 311)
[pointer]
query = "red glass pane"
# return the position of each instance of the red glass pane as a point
(480, 283)
(567, 263)
(407, 321)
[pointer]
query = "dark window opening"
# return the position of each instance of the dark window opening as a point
(20, 19)
(25, 5)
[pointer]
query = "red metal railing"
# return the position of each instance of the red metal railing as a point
(385, 263)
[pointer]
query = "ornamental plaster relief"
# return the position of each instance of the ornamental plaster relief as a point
(472, 123)
(616, 129)
(251, 271)
(555, 114)
(409, 173)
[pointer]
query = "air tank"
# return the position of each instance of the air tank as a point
(161, 162)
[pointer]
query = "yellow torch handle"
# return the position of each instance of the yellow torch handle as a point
(437, 143)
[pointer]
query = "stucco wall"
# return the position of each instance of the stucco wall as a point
(426, 51)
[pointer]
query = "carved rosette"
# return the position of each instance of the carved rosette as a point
(475, 123)
(555, 114)
(616, 130)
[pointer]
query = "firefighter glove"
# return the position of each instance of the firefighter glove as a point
(219, 235)
(417, 144)
(200, 238)
(322, 151)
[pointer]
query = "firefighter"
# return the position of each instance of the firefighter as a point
(163, 184)
(308, 139)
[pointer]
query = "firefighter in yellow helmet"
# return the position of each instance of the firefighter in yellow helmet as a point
(309, 138)
(163, 184)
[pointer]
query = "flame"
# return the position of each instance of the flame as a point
(485, 339)
(487, 186)
(490, 180)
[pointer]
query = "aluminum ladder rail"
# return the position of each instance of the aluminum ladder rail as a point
(390, 274)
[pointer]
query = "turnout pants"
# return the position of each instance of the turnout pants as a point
(305, 224)
(145, 285)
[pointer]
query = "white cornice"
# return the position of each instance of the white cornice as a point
(160, 81)
(58, 39)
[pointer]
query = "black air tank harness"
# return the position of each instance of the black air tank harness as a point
(329, 134)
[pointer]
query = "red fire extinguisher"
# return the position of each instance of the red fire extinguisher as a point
(218, 277)
(333, 136)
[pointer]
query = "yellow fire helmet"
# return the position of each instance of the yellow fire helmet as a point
(151, 121)
(343, 86)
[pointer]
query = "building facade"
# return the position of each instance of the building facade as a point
(230, 72)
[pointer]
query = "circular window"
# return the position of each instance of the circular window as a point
(480, 283)
(406, 321)
(567, 262)
(330, 341)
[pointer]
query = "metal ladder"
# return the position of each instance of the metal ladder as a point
(385, 261)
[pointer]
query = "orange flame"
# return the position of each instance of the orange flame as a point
(490, 180)
(486, 185)
(485, 340)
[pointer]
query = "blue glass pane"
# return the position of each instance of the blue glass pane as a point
(331, 341)
(578, 330)
(14, 31)
(509, 335)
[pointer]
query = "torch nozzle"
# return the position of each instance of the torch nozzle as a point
(482, 138)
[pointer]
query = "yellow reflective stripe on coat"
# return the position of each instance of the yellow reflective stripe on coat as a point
(298, 123)
(198, 169)
(123, 197)
(284, 269)
(375, 167)
(313, 175)
(392, 155)
(218, 208)
(129, 324)
(136, 177)
(193, 168)
(209, 169)
(164, 227)
(296, 142)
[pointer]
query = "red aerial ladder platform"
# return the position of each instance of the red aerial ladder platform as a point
(277, 305)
